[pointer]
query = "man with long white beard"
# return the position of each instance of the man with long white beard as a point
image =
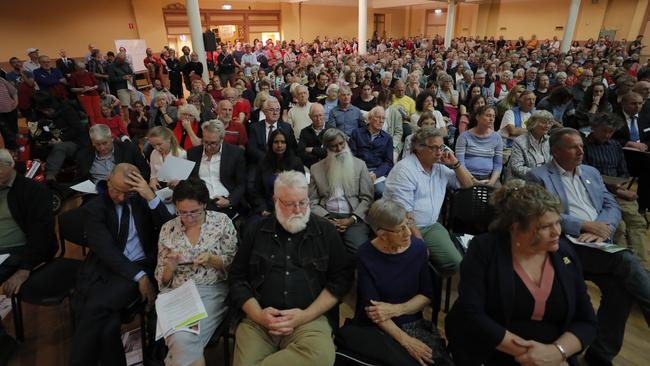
(341, 190)
(290, 270)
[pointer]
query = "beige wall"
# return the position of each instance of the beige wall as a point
(70, 24)
(332, 21)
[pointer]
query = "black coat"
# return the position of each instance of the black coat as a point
(622, 135)
(256, 149)
(480, 317)
(262, 190)
(309, 138)
(106, 256)
(232, 171)
(66, 68)
(30, 205)
(124, 152)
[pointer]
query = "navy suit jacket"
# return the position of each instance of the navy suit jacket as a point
(256, 149)
(480, 317)
(548, 176)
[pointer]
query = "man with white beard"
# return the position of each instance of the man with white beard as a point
(290, 270)
(341, 190)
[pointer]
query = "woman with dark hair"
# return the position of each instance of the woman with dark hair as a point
(197, 245)
(559, 102)
(467, 120)
(425, 103)
(594, 101)
(438, 102)
(365, 100)
(279, 158)
(522, 298)
(480, 149)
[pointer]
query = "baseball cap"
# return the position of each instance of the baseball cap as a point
(30, 50)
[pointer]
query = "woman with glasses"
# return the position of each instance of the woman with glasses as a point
(531, 150)
(522, 297)
(197, 245)
(394, 287)
(279, 158)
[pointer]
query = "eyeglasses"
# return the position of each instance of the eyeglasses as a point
(300, 204)
(191, 214)
(210, 143)
(402, 229)
(435, 148)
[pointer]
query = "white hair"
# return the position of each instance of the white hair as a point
(290, 179)
(191, 109)
(100, 132)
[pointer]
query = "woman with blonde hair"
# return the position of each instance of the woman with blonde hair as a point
(522, 297)
(507, 103)
(164, 144)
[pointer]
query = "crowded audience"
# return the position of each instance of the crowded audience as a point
(311, 160)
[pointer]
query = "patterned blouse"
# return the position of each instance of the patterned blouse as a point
(218, 236)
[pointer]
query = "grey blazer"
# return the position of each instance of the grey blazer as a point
(359, 197)
(549, 177)
(526, 155)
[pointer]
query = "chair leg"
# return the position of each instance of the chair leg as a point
(448, 294)
(226, 350)
(16, 305)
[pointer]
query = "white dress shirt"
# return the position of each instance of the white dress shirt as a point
(209, 173)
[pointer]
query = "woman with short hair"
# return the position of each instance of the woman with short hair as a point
(522, 297)
(531, 150)
(197, 245)
(394, 287)
(187, 129)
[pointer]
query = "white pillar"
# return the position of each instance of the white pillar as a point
(449, 27)
(196, 30)
(570, 25)
(363, 26)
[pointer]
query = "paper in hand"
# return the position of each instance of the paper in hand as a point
(175, 169)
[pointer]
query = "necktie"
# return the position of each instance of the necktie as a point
(123, 233)
(269, 132)
(634, 130)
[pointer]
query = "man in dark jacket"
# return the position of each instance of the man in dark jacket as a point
(222, 167)
(310, 148)
(122, 233)
(96, 162)
(63, 128)
(26, 233)
(290, 270)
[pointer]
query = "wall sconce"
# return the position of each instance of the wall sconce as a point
(438, 11)
(226, 6)
(183, 38)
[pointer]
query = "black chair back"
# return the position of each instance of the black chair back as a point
(71, 228)
(471, 212)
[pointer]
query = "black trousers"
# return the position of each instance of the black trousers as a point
(97, 309)
(622, 281)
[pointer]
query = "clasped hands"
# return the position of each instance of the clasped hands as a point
(539, 354)
(280, 322)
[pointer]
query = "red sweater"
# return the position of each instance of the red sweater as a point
(115, 124)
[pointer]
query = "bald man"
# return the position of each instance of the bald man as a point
(310, 146)
(121, 226)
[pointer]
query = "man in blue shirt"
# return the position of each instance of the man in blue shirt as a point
(419, 182)
(374, 146)
(345, 116)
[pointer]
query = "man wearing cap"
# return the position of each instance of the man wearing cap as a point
(33, 63)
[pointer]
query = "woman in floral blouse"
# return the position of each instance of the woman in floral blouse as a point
(197, 245)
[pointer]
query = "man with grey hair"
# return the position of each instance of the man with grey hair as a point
(419, 182)
(341, 190)
(222, 167)
(298, 115)
(592, 215)
(310, 146)
(95, 162)
(26, 233)
(260, 130)
(345, 116)
(289, 271)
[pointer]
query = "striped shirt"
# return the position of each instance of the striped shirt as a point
(608, 158)
(480, 155)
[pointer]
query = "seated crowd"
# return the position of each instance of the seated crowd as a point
(318, 172)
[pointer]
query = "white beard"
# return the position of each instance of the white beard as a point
(294, 223)
(339, 169)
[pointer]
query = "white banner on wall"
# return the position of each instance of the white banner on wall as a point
(137, 49)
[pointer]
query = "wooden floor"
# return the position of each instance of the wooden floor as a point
(48, 333)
